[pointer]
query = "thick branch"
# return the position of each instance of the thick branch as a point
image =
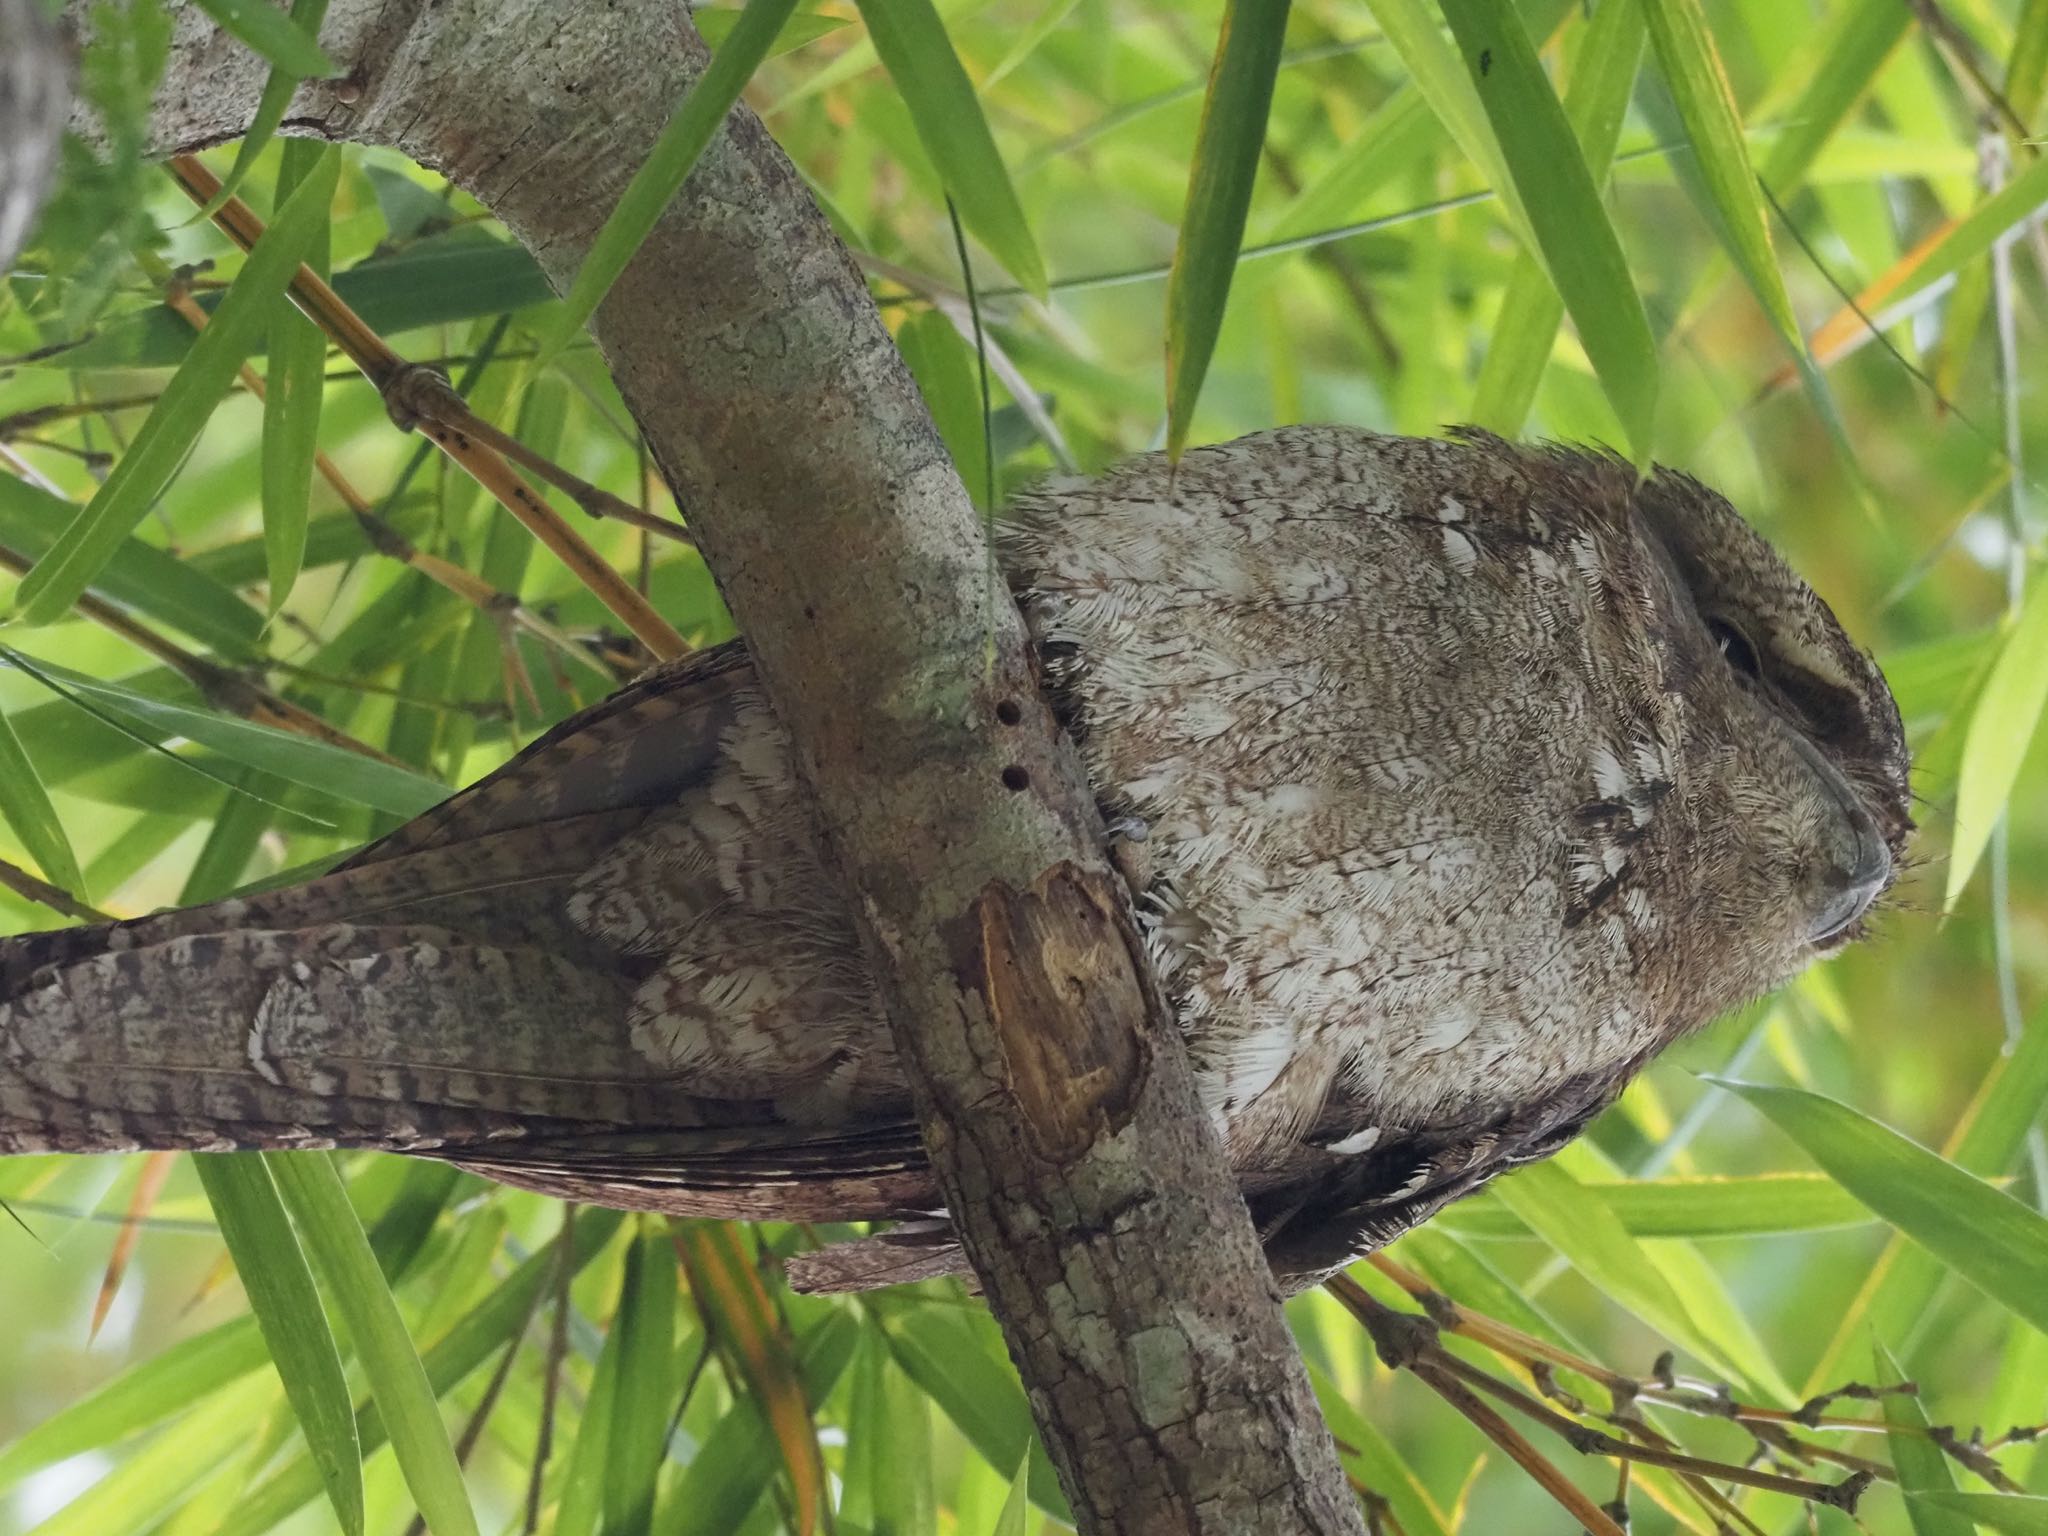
(1087, 1186)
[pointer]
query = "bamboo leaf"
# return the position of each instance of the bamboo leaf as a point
(1921, 1466)
(1689, 1208)
(733, 1467)
(174, 423)
(337, 772)
(2002, 726)
(291, 406)
(278, 89)
(1561, 201)
(668, 165)
(645, 1392)
(286, 1305)
(1553, 1205)
(139, 577)
(1992, 1240)
(740, 1316)
(1603, 73)
(157, 1389)
(716, 23)
(457, 276)
(1692, 72)
(282, 39)
(1433, 67)
(960, 1364)
(313, 1192)
(1220, 179)
(26, 805)
(2015, 1514)
(1010, 1519)
(912, 43)
(491, 1327)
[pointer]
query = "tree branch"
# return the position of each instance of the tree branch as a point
(1086, 1183)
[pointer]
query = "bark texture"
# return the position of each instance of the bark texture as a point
(1087, 1186)
(35, 93)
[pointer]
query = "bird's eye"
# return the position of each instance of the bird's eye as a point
(1735, 647)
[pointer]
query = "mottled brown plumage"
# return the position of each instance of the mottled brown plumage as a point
(1454, 780)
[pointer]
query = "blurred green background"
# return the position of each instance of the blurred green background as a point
(1375, 286)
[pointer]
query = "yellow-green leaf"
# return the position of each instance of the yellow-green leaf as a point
(313, 1193)
(912, 43)
(2001, 728)
(1997, 1243)
(286, 1304)
(2015, 1514)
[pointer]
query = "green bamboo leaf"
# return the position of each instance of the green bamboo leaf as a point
(141, 578)
(282, 39)
(306, 16)
(644, 1397)
(1220, 178)
(1691, 67)
(668, 165)
(2002, 727)
(716, 23)
(1563, 206)
(1433, 67)
(136, 1494)
(912, 43)
(738, 1460)
(291, 404)
(1010, 1518)
(943, 365)
(583, 1485)
(162, 1387)
(1554, 1206)
(1997, 1243)
(286, 1305)
(2015, 1514)
(345, 776)
(960, 1364)
(863, 1470)
(1382, 1468)
(174, 423)
(313, 1192)
(1846, 57)
(457, 276)
(1596, 103)
(1921, 1466)
(2026, 69)
(2012, 1099)
(1756, 1205)
(485, 1331)
(1720, 171)
(26, 805)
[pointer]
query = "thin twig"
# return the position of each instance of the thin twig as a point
(386, 370)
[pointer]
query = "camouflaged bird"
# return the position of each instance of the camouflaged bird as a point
(1453, 779)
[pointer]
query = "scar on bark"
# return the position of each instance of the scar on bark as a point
(1057, 966)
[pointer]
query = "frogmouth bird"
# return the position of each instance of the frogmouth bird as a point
(1455, 779)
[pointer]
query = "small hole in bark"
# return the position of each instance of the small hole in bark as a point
(1015, 777)
(1009, 712)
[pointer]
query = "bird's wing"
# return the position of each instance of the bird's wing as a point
(639, 748)
(489, 860)
(1327, 1217)
(763, 1172)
